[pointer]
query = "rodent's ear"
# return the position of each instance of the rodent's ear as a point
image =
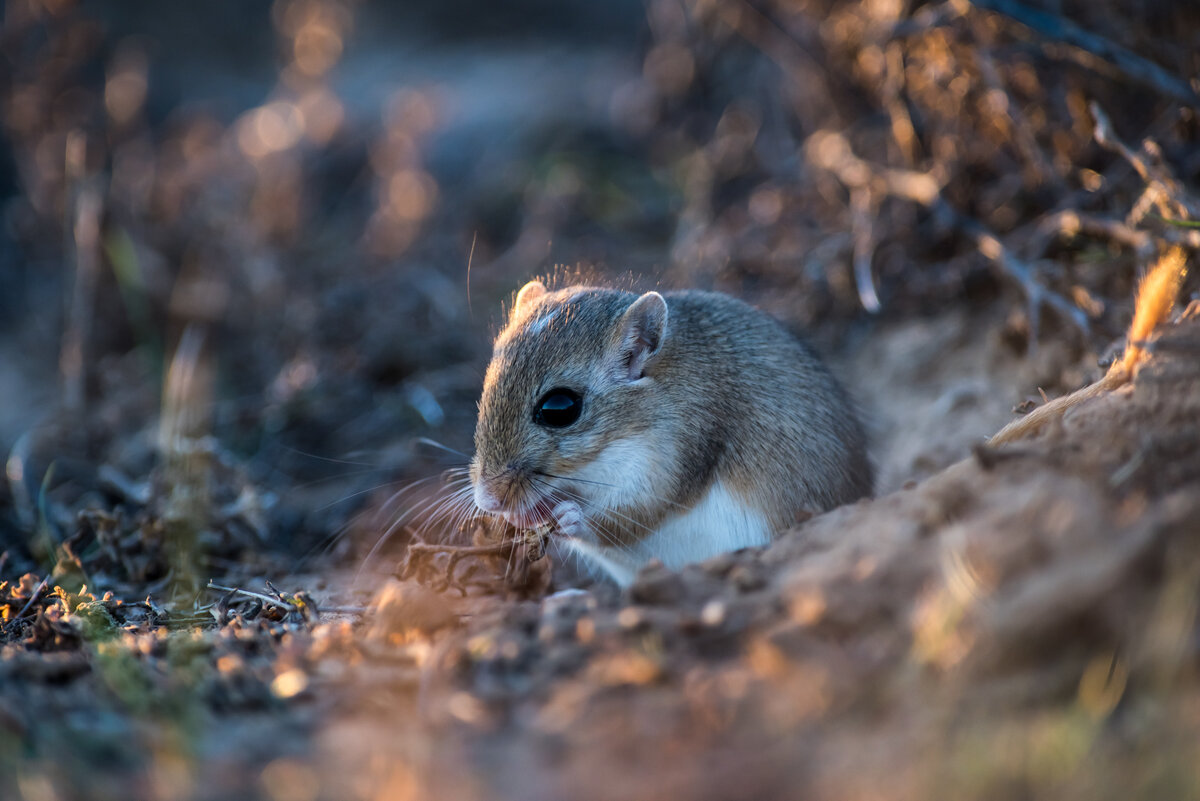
(530, 294)
(642, 330)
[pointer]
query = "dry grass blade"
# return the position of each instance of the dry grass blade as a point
(1155, 299)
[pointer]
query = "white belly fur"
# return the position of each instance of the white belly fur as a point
(721, 522)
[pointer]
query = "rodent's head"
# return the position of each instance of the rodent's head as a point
(572, 372)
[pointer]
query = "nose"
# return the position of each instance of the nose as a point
(486, 500)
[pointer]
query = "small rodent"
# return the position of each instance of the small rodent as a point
(673, 426)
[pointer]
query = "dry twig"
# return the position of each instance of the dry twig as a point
(266, 599)
(1163, 189)
(830, 151)
(33, 598)
(1130, 64)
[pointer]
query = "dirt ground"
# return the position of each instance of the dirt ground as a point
(1019, 624)
(246, 307)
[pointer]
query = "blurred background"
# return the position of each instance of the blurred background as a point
(305, 185)
(334, 199)
(337, 197)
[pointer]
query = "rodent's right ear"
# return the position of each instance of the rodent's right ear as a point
(530, 294)
(641, 332)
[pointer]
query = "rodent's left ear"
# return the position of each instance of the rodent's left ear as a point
(530, 294)
(642, 331)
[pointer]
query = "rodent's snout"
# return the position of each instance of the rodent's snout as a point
(497, 491)
(486, 500)
(509, 495)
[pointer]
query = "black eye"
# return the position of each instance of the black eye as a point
(558, 408)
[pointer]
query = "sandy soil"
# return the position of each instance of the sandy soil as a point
(1018, 624)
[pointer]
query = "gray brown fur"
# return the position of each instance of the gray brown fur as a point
(743, 400)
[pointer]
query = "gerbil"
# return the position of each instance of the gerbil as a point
(673, 426)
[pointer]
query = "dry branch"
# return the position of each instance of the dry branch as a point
(1023, 133)
(830, 151)
(1135, 67)
(1163, 189)
(1071, 223)
(258, 596)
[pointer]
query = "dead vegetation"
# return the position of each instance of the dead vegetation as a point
(961, 136)
(502, 561)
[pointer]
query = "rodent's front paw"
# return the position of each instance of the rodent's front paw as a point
(569, 518)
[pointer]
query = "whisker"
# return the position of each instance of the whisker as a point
(435, 444)
(449, 482)
(387, 535)
(658, 498)
(587, 504)
(326, 544)
(396, 525)
(564, 478)
(454, 509)
(339, 476)
(353, 495)
(613, 515)
(329, 458)
(431, 509)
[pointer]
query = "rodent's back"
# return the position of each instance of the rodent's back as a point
(769, 416)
